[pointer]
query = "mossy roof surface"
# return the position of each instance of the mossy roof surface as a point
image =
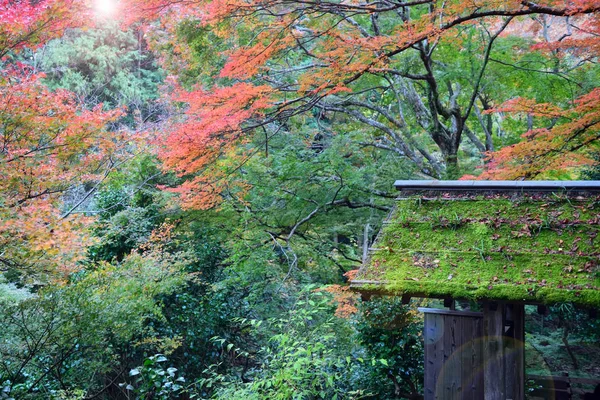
(535, 248)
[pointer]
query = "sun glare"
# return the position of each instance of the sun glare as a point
(106, 7)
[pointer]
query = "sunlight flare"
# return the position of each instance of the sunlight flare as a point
(105, 7)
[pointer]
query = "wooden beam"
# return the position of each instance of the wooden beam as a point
(405, 299)
(434, 353)
(450, 312)
(449, 303)
(499, 186)
(493, 352)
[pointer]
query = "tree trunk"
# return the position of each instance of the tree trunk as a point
(452, 167)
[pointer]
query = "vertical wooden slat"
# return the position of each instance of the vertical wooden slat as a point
(477, 359)
(429, 336)
(519, 349)
(471, 365)
(466, 325)
(434, 353)
(493, 352)
(458, 340)
(509, 353)
(451, 368)
(445, 378)
(439, 359)
(514, 368)
(465, 360)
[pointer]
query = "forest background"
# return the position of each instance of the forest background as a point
(185, 186)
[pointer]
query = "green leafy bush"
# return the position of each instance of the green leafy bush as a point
(152, 380)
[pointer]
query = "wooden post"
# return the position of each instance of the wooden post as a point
(405, 299)
(365, 248)
(504, 351)
(449, 303)
(515, 353)
(493, 352)
(434, 353)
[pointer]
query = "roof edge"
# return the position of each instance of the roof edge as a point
(583, 298)
(500, 186)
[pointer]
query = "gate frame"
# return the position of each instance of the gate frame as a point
(498, 337)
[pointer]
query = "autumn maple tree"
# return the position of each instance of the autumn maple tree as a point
(49, 144)
(279, 126)
(421, 76)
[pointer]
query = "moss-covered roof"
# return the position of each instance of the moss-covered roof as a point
(526, 246)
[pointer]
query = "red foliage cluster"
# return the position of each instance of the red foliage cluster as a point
(340, 53)
(564, 147)
(48, 145)
(25, 23)
(345, 299)
(208, 130)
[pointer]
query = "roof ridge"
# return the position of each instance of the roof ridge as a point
(502, 186)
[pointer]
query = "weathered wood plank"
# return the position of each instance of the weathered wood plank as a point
(451, 370)
(434, 356)
(450, 312)
(466, 325)
(493, 352)
(510, 356)
(519, 343)
(439, 359)
(472, 367)
(457, 341)
(477, 358)
(429, 336)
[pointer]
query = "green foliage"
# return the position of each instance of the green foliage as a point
(560, 338)
(577, 321)
(105, 66)
(70, 336)
(327, 179)
(593, 172)
(207, 56)
(312, 354)
(391, 332)
(152, 380)
(204, 308)
(129, 207)
(229, 294)
(10, 294)
(450, 84)
(307, 356)
(124, 231)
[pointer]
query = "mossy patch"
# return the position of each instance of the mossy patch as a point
(520, 248)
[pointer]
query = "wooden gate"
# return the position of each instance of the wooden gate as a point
(453, 355)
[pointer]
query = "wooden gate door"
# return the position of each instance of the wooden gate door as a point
(453, 355)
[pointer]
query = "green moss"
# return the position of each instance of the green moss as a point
(541, 249)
